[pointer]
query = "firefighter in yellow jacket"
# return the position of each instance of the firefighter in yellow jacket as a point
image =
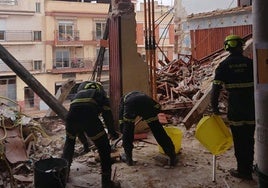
(235, 74)
(83, 117)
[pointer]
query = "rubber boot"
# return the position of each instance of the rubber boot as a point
(127, 158)
(106, 182)
(172, 159)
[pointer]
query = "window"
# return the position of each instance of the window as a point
(28, 97)
(38, 7)
(37, 36)
(8, 2)
(66, 30)
(8, 88)
(62, 58)
(37, 65)
(3, 29)
(100, 28)
(163, 33)
(2, 35)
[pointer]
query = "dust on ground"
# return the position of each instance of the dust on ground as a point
(193, 170)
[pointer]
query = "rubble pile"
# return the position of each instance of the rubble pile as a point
(23, 140)
(182, 82)
(19, 134)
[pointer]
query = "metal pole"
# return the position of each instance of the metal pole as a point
(260, 51)
(214, 168)
(146, 33)
(150, 46)
(153, 55)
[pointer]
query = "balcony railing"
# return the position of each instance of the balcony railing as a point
(64, 38)
(73, 63)
(28, 64)
(20, 36)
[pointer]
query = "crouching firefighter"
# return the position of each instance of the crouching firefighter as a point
(83, 117)
(135, 104)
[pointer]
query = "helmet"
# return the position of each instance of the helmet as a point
(89, 85)
(233, 41)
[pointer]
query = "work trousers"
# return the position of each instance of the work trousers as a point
(85, 119)
(243, 138)
(139, 104)
(158, 132)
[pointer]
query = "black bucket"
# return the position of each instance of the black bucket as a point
(50, 172)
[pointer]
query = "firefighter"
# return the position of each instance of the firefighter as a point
(83, 117)
(136, 104)
(235, 74)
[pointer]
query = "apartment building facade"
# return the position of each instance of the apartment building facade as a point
(21, 33)
(164, 30)
(54, 40)
(73, 34)
(60, 40)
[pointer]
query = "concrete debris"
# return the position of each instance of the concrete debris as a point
(182, 83)
(19, 135)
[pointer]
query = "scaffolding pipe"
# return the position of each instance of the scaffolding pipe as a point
(146, 32)
(260, 52)
(153, 55)
(150, 46)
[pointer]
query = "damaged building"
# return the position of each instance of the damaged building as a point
(65, 48)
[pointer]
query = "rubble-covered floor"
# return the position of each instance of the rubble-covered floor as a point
(194, 168)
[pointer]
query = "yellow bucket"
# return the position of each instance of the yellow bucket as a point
(213, 134)
(176, 136)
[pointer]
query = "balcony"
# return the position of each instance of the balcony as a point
(67, 65)
(29, 65)
(68, 38)
(20, 36)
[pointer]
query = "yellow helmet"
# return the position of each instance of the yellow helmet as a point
(233, 41)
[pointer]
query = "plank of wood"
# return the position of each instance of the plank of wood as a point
(62, 94)
(198, 109)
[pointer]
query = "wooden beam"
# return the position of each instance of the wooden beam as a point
(62, 94)
(198, 109)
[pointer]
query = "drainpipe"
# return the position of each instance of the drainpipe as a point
(260, 51)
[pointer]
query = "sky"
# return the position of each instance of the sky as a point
(197, 6)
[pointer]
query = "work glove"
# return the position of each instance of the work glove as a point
(214, 100)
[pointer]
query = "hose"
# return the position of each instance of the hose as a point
(2, 152)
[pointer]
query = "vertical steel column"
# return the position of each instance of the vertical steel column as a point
(260, 49)
(153, 55)
(146, 37)
(150, 44)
